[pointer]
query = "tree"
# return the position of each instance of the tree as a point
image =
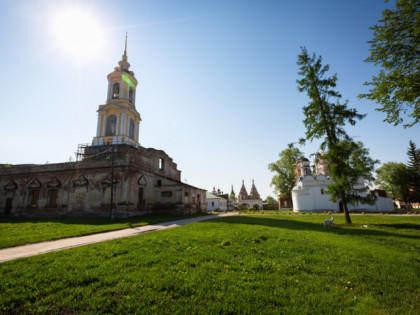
(270, 200)
(325, 119)
(393, 177)
(351, 174)
(396, 48)
(284, 180)
(413, 168)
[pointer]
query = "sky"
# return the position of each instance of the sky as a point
(217, 80)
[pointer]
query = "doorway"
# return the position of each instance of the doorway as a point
(8, 206)
(141, 197)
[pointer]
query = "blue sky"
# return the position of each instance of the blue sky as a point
(217, 81)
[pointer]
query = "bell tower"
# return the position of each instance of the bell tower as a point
(118, 119)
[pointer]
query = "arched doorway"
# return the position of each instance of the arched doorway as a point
(8, 206)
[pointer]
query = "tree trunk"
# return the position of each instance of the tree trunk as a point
(346, 210)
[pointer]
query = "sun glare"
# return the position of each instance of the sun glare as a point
(78, 33)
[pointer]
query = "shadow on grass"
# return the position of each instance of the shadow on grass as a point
(402, 226)
(319, 227)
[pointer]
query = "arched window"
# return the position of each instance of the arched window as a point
(116, 90)
(130, 95)
(111, 124)
(131, 130)
(52, 198)
(33, 198)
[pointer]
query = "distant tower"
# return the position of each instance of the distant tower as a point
(322, 165)
(243, 194)
(253, 194)
(118, 119)
(232, 192)
(302, 168)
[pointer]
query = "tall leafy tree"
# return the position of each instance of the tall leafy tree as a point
(394, 178)
(395, 47)
(413, 167)
(284, 179)
(325, 118)
(270, 200)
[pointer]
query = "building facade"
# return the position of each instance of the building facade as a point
(114, 174)
(253, 200)
(216, 202)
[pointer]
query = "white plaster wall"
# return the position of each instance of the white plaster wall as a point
(220, 204)
(251, 203)
(307, 196)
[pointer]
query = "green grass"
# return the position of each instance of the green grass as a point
(260, 264)
(20, 231)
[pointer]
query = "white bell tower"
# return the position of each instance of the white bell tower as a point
(118, 119)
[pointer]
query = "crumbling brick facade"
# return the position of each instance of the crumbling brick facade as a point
(145, 181)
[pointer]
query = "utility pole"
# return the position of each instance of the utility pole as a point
(112, 182)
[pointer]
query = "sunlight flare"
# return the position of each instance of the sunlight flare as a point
(78, 32)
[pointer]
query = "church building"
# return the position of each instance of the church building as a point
(114, 175)
(309, 193)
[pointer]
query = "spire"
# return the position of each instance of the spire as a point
(125, 47)
(232, 192)
(123, 63)
(253, 194)
(243, 194)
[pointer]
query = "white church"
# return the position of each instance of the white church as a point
(309, 194)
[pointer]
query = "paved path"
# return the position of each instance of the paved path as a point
(12, 253)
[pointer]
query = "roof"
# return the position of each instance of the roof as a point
(209, 195)
(243, 191)
(304, 159)
(254, 192)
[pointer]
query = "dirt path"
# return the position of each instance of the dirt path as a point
(28, 250)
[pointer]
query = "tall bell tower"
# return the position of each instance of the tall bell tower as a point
(118, 119)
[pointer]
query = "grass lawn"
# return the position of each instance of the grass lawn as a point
(20, 231)
(259, 264)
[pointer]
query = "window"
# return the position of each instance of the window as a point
(52, 198)
(186, 194)
(141, 195)
(212, 203)
(8, 206)
(159, 182)
(111, 124)
(322, 191)
(131, 129)
(33, 199)
(116, 90)
(166, 194)
(130, 95)
(161, 164)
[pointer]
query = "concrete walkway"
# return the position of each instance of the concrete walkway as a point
(12, 253)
